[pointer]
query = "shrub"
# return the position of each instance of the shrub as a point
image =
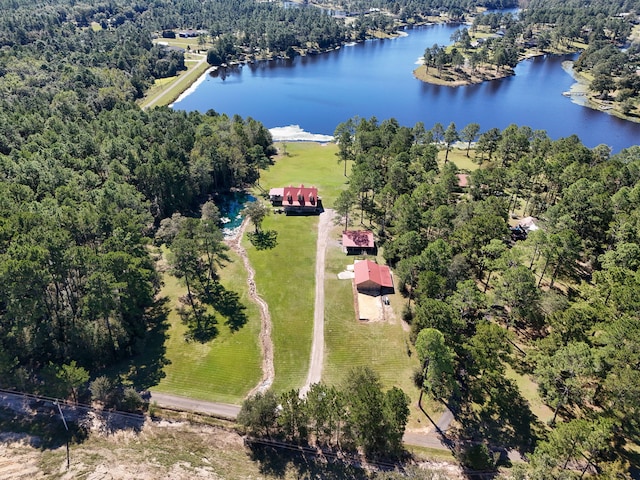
(131, 401)
(477, 457)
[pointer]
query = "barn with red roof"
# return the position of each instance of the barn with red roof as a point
(372, 279)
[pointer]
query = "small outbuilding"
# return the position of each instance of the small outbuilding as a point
(358, 242)
(372, 279)
(463, 181)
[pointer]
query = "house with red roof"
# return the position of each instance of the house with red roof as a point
(372, 279)
(463, 180)
(358, 242)
(297, 200)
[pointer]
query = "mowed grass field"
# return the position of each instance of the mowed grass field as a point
(349, 342)
(223, 369)
(285, 275)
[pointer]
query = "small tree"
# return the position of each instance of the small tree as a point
(103, 390)
(65, 380)
(259, 413)
(256, 212)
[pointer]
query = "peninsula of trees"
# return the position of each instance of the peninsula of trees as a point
(606, 34)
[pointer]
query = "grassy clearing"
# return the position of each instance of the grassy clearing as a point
(224, 369)
(529, 390)
(285, 276)
(459, 157)
(165, 91)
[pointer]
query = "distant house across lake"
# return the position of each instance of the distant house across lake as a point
(297, 200)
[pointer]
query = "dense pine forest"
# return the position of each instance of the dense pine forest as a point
(558, 304)
(88, 180)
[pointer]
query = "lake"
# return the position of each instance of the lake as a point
(307, 97)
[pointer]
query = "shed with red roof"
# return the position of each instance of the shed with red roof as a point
(358, 242)
(372, 278)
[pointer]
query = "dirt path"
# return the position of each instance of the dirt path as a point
(268, 372)
(317, 345)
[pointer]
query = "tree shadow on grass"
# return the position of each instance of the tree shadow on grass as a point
(202, 326)
(505, 418)
(227, 303)
(264, 240)
(278, 462)
(146, 368)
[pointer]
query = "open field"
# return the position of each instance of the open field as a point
(221, 370)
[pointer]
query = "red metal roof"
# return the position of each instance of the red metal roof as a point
(367, 270)
(463, 180)
(300, 196)
(358, 238)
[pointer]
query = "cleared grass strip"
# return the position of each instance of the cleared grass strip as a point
(285, 276)
(165, 92)
(222, 370)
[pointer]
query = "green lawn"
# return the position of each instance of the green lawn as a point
(285, 278)
(459, 157)
(285, 275)
(224, 369)
(166, 90)
(384, 346)
(310, 164)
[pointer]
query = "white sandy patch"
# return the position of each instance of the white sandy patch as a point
(294, 133)
(346, 275)
(370, 308)
(193, 86)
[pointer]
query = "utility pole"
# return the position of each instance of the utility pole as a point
(64, 421)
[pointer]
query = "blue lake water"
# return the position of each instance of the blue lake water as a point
(230, 206)
(375, 78)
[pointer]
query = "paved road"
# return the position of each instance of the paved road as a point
(224, 410)
(317, 346)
